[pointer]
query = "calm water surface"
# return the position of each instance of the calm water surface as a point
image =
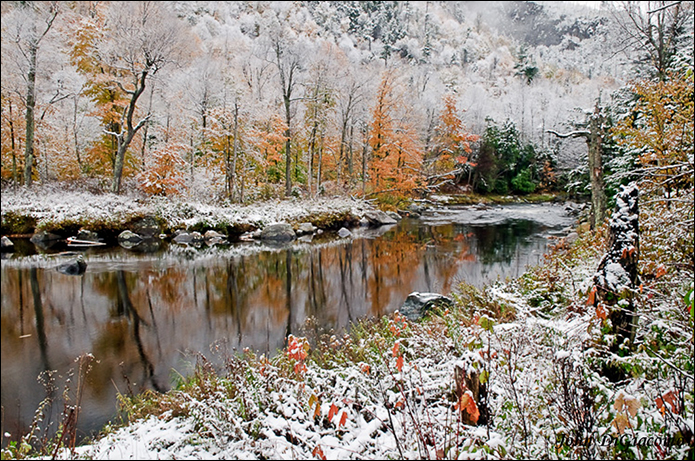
(143, 316)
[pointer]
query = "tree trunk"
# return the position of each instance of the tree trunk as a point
(598, 190)
(288, 145)
(127, 132)
(617, 278)
(29, 116)
(235, 151)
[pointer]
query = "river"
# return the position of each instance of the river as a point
(145, 316)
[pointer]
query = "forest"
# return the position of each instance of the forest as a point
(244, 101)
(193, 106)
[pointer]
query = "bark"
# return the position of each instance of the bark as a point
(127, 133)
(29, 116)
(594, 140)
(617, 277)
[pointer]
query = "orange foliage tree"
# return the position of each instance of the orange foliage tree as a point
(451, 152)
(396, 151)
(108, 99)
(266, 143)
(12, 137)
(660, 130)
(164, 172)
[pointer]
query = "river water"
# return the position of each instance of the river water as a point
(144, 316)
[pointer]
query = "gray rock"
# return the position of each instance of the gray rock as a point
(364, 222)
(280, 232)
(74, 267)
(147, 227)
(415, 208)
(86, 234)
(418, 304)
(6, 244)
(129, 236)
(379, 218)
(571, 237)
(394, 215)
(306, 228)
(213, 234)
(344, 233)
(44, 237)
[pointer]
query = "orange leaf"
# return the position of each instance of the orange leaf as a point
(333, 410)
(660, 271)
(365, 368)
(343, 418)
(670, 399)
(317, 412)
(396, 348)
(318, 452)
(592, 296)
(399, 363)
(601, 312)
(467, 403)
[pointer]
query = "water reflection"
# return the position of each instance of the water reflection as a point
(142, 315)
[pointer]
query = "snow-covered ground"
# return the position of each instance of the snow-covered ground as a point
(54, 206)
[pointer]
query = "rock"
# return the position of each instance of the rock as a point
(147, 227)
(418, 304)
(129, 236)
(344, 233)
(306, 228)
(415, 208)
(571, 238)
(364, 222)
(44, 237)
(379, 218)
(75, 267)
(189, 238)
(280, 232)
(6, 244)
(394, 215)
(44, 240)
(86, 234)
(213, 237)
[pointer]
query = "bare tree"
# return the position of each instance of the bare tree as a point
(141, 39)
(594, 139)
(31, 25)
(658, 29)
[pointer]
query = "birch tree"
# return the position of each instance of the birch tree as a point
(27, 28)
(142, 38)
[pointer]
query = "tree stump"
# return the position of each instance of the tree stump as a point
(617, 278)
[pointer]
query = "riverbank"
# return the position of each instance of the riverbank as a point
(63, 213)
(393, 388)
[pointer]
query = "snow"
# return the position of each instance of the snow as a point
(50, 206)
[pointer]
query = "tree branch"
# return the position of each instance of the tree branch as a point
(572, 134)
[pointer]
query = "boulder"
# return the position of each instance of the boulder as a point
(147, 227)
(129, 236)
(213, 237)
(74, 267)
(44, 237)
(213, 234)
(394, 215)
(344, 233)
(379, 218)
(306, 228)
(87, 235)
(6, 244)
(189, 238)
(418, 304)
(279, 232)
